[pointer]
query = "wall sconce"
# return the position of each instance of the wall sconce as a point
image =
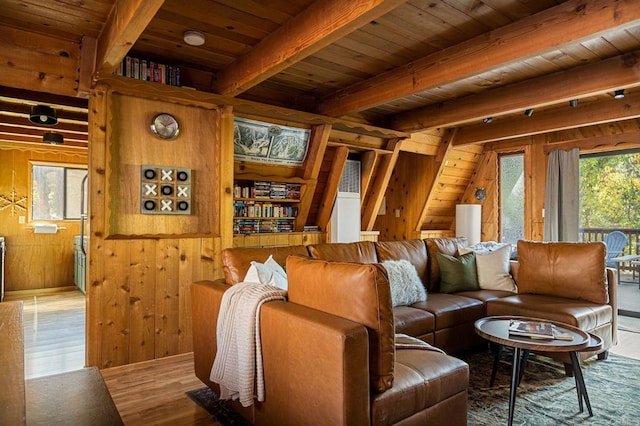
(487, 120)
(44, 115)
(573, 103)
(469, 222)
(528, 112)
(53, 138)
(480, 194)
(618, 94)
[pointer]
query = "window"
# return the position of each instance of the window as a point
(512, 198)
(56, 192)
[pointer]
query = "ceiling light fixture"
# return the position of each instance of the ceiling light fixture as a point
(487, 120)
(528, 112)
(618, 94)
(573, 103)
(53, 138)
(193, 38)
(44, 115)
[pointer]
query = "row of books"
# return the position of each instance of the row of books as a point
(257, 226)
(271, 190)
(263, 209)
(142, 69)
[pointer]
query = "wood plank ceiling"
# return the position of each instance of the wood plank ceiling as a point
(412, 66)
(408, 65)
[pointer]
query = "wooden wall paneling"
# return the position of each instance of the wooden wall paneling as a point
(535, 165)
(142, 290)
(406, 192)
(189, 271)
(438, 168)
(132, 145)
(97, 218)
(115, 303)
(224, 173)
(331, 187)
(47, 257)
(372, 203)
(211, 266)
(167, 298)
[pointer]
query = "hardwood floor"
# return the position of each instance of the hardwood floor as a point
(151, 392)
(54, 332)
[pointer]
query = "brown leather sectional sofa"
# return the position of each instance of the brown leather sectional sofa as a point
(328, 351)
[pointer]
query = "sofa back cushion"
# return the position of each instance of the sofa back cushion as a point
(448, 246)
(358, 252)
(236, 261)
(571, 270)
(415, 251)
(357, 292)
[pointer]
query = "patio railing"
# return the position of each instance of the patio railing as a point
(633, 239)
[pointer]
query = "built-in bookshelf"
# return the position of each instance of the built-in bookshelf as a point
(265, 206)
(147, 70)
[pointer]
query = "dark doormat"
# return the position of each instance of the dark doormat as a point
(223, 414)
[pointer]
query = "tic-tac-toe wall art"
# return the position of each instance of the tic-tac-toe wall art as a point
(165, 190)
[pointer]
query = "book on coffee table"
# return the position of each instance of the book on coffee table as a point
(533, 329)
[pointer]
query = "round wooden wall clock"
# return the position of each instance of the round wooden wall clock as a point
(165, 126)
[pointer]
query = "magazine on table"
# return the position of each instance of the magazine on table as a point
(537, 330)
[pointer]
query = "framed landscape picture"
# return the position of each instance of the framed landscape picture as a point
(261, 142)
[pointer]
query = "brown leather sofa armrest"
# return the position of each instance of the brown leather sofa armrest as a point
(315, 367)
(206, 297)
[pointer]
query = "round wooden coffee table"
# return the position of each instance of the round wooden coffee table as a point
(496, 330)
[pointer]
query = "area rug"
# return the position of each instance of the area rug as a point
(546, 397)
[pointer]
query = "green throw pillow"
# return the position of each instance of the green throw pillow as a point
(458, 273)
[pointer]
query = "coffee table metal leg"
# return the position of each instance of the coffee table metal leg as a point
(582, 389)
(515, 375)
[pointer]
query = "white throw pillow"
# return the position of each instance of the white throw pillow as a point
(493, 270)
(269, 272)
(406, 286)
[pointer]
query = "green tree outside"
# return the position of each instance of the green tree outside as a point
(610, 191)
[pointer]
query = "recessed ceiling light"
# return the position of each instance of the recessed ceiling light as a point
(528, 112)
(618, 94)
(573, 103)
(487, 120)
(193, 38)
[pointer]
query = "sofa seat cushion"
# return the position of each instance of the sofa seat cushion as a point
(584, 315)
(415, 251)
(485, 295)
(358, 252)
(451, 310)
(422, 379)
(412, 321)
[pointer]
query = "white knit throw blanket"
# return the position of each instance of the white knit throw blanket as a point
(237, 367)
(404, 341)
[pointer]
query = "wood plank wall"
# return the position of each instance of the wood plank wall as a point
(48, 258)
(138, 287)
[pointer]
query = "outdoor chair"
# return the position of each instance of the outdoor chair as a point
(615, 241)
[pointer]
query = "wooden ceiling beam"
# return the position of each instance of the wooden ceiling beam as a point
(550, 121)
(322, 23)
(127, 20)
(588, 80)
(551, 29)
